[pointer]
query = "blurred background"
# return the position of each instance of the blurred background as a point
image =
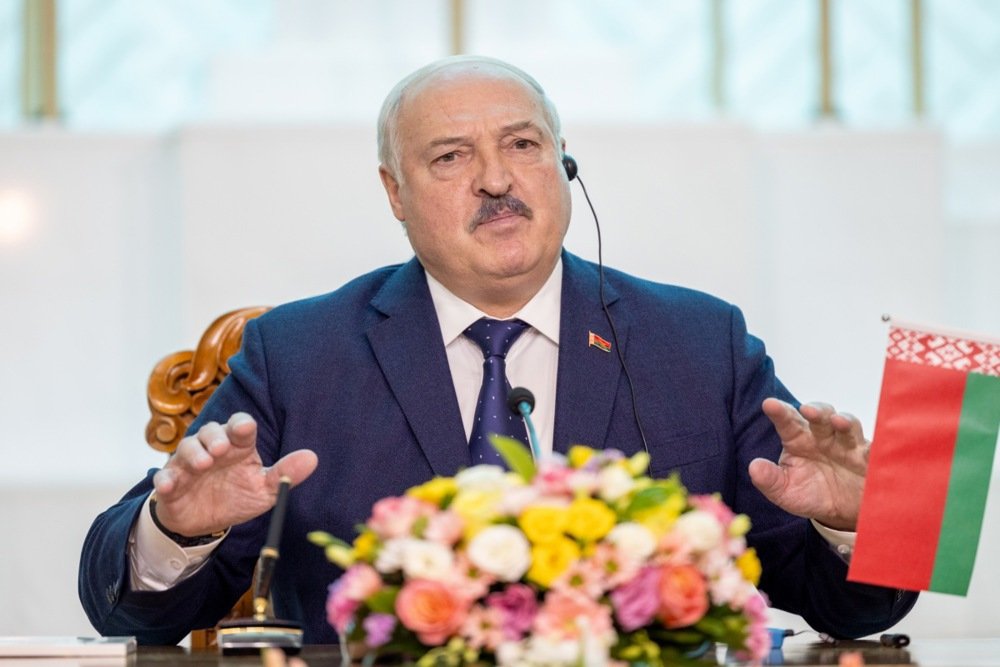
(817, 162)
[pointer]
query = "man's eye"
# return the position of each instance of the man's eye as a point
(447, 157)
(522, 144)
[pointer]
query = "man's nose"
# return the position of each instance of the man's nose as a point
(493, 178)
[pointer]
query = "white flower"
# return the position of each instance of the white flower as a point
(483, 477)
(539, 652)
(391, 555)
(502, 551)
(701, 530)
(595, 648)
(634, 541)
(615, 481)
(583, 482)
(417, 558)
(517, 499)
(428, 560)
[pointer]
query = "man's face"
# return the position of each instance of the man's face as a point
(481, 187)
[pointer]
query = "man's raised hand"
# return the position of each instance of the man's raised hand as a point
(215, 479)
(821, 471)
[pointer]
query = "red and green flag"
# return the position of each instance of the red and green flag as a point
(930, 463)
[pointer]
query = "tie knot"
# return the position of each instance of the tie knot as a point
(495, 337)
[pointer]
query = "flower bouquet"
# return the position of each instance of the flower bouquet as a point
(575, 560)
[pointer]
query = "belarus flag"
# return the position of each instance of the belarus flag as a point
(930, 463)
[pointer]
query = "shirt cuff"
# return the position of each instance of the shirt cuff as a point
(841, 541)
(156, 562)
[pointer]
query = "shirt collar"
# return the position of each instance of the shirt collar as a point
(541, 312)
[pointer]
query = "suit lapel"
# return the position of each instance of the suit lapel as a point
(588, 376)
(408, 348)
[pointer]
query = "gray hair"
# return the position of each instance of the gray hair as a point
(389, 147)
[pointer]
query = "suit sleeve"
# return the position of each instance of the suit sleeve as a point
(201, 600)
(802, 574)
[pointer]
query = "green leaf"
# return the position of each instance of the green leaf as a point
(648, 498)
(383, 601)
(515, 455)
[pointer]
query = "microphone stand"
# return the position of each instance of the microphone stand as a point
(521, 402)
(247, 636)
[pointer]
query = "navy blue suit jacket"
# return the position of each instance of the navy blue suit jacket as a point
(360, 376)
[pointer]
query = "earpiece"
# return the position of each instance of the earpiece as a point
(569, 164)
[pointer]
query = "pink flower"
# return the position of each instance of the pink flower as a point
(674, 549)
(713, 505)
(483, 627)
(637, 601)
(518, 606)
(616, 567)
(553, 478)
(360, 582)
(444, 528)
(394, 517)
(431, 609)
(567, 614)
(339, 608)
(378, 629)
(683, 595)
(584, 575)
(466, 580)
(758, 643)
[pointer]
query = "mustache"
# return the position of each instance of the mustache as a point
(494, 206)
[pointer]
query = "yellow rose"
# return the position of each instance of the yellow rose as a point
(589, 519)
(435, 491)
(364, 546)
(749, 565)
(543, 523)
(551, 559)
(579, 455)
(477, 508)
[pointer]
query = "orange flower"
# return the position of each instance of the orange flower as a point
(683, 596)
(431, 609)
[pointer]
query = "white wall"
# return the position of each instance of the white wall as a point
(137, 242)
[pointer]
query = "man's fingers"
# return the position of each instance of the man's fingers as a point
(297, 466)
(241, 430)
(768, 478)
(786, 419)
(820, 420)
(164, 482)
(191, 455)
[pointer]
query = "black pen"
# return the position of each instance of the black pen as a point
(269, 552)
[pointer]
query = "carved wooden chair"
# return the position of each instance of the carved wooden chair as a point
(178, 388)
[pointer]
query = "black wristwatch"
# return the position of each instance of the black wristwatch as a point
(181, 540)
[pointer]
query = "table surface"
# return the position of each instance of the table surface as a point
(802, 651)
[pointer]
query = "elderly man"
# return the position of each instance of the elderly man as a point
(373, 388)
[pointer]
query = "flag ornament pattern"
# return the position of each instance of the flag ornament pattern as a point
(943, 351)
(593, 340)
(930, 463)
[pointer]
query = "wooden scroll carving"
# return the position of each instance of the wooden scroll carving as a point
(181, 382)
(178, 388)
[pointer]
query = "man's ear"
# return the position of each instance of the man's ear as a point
(391, 186)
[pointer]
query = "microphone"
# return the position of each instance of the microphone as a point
(521, 402)
(248, 636)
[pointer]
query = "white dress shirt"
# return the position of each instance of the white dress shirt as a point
(532, 361)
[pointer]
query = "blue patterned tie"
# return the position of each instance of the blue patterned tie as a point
(492, 414)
